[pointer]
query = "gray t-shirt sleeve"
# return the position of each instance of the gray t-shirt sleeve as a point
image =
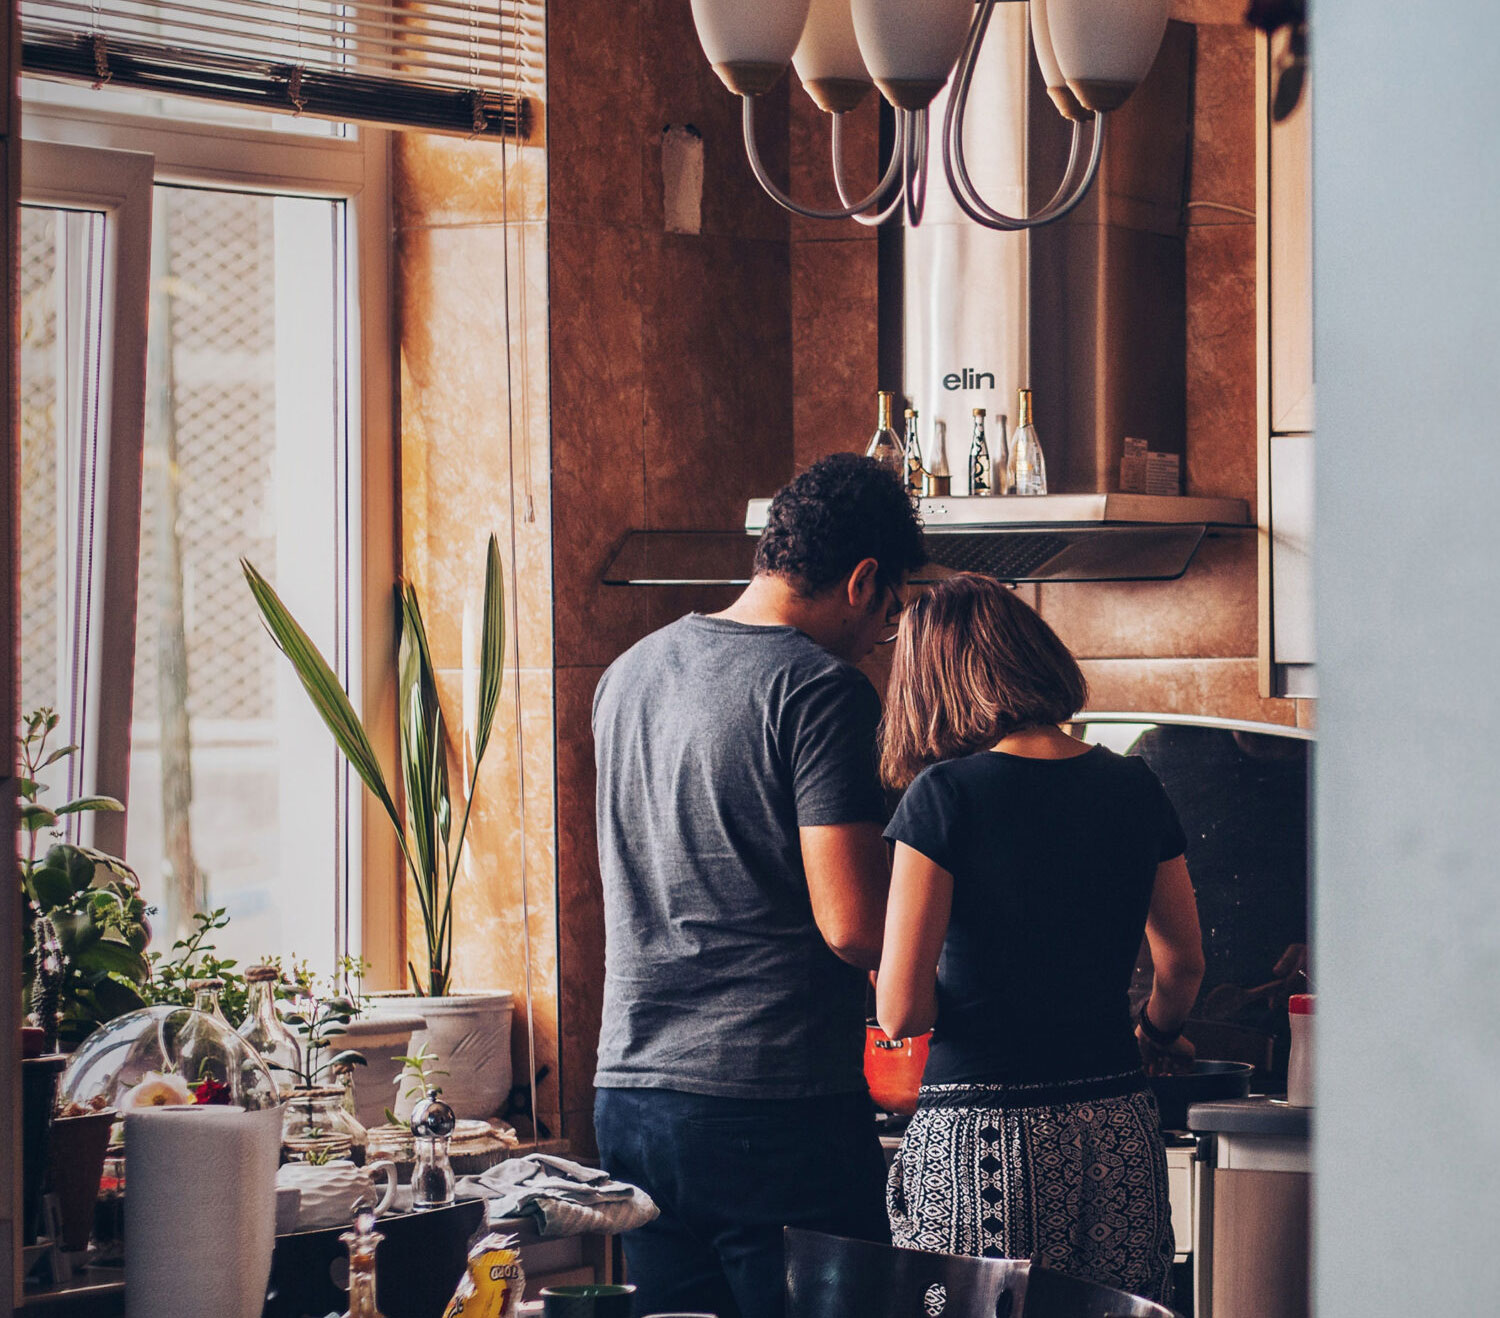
(830, 726)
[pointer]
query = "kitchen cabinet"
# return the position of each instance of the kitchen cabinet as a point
(1252, 1209)
(1285, 384)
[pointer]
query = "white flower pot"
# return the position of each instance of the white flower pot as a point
(470, 1033)
(380, 1037)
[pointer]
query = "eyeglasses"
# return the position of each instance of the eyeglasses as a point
(892, 614)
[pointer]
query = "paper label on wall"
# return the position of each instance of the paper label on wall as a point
(1145, 472)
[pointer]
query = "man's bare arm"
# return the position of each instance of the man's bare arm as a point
(848, 876)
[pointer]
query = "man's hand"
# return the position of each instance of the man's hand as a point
(1176, 1058)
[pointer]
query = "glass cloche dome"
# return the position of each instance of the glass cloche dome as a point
(167, 1055)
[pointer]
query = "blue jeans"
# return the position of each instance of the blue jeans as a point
(728, 1174)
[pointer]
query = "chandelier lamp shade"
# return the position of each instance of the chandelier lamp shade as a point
(1092, 54)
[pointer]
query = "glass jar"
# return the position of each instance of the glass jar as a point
(318, 1127)
(266, 1032)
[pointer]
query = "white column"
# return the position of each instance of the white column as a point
(1407, 255)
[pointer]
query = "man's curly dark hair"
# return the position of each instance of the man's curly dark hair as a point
(840, 511)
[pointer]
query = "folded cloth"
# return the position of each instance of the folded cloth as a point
(565, 1198)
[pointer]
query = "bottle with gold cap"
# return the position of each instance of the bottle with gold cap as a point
(981, 473)
(938, 481)
(1028, 466)
(885, 445)
(915, 472)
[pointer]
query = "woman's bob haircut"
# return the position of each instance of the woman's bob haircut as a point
(973, 664)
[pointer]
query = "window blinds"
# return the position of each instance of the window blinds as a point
(468, 66)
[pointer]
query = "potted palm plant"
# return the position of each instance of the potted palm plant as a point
(470, 1030)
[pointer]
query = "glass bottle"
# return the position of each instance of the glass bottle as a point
(885, 444)
(915, 473)
(1001, 465)
(200, 1058)
(1028, 466)
(362, 1241)
(206, 998)
(938, 481)
(980, 471)
(267, 1033)
(432, 1123)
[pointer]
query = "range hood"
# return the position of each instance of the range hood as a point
(1051, 537)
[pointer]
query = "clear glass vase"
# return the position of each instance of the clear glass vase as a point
(318, 1127)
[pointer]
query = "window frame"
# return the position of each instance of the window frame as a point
(354, 169)
(118, 184)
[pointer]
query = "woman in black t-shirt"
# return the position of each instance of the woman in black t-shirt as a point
(1027, 864)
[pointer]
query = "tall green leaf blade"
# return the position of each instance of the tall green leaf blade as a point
(323, 689)
(491, 650)
(416, 751)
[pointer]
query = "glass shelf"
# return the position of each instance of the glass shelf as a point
(1017, 554)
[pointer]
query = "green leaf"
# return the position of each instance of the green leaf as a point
(323, 689)
(28, 787)
(105, 803)
(50, 887)
(76, 932)
(62, 752)
(418, 698)
(347, 1058)
(34, 817)
(491, 650)
(107, 957)
(114, 997)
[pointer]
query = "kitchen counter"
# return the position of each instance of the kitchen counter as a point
(1258, 1115)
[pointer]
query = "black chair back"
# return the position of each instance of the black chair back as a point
(1053, 1294)
(831, 1277)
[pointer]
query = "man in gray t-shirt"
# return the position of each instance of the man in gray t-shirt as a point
(739, 820)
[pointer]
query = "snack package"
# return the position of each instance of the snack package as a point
(493, 1282)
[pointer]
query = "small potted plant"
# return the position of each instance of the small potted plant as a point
(84, 935)
(471, 1030)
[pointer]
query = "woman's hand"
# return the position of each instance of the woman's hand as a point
(1175, 1058)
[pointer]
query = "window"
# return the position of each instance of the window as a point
(266, 409)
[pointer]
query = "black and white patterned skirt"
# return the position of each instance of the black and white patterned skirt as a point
(1072, 1174)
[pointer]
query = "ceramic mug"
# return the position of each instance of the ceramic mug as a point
(331, 1193)
(602, 1301)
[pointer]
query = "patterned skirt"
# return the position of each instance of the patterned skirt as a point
(1073, 1175)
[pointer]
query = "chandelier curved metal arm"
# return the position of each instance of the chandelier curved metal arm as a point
(897, 169)
(914, 172)
(1068, 195)
(842, 184)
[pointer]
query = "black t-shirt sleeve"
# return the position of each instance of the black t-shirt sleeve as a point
(832, 724)
(927, 819)
(1173, 839)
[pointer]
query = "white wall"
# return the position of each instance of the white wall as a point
(1407, 243)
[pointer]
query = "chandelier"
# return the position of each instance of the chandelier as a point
(1092, 54)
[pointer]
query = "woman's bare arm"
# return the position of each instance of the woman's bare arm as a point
(1176, 946)
(916, 922)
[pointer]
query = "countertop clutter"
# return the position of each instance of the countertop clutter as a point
(1257, 1115)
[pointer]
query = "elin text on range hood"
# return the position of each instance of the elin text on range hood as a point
(1053, 537)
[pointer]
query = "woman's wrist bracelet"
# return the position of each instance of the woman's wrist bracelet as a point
(1161, 1038)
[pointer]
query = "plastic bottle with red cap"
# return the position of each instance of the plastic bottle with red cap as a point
(1299, 1071)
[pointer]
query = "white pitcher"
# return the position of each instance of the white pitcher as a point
(334, 1191)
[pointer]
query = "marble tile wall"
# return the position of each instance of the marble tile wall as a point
(471, 241)
(672, 396)
(1189, 646)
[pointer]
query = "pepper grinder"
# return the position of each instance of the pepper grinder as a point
(432, 1123)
